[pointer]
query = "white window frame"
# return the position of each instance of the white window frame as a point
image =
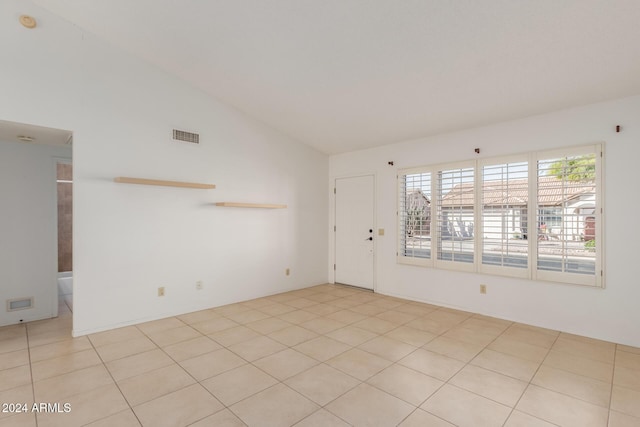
(531, 272)
(444, 264)
(524, 273)
(401, 258)
(564, 277)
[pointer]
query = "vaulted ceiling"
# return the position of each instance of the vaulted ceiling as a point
(342, 75)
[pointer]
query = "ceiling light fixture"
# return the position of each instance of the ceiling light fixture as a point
(25, 138)
(28, 21)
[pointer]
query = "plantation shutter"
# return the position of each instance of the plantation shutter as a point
(455, 215)
(414, 216)
(504, 217)
(568, 217)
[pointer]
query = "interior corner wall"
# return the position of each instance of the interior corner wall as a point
(610, 314)
(131, 239)
(28, 229)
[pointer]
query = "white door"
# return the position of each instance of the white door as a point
(354, 234)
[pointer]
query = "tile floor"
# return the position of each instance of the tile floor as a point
(322, 356)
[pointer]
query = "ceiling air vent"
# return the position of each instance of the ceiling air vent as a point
(180, 135)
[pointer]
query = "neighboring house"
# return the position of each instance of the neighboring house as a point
(418, 208)
(564, 208)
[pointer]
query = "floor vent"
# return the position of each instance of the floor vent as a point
(19, 304)
(180, 135)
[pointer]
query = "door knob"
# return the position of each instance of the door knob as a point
(369, 238)
(370, 230)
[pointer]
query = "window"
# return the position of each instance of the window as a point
(415, 216)
(455, 218)
(535, 216)
(505, 195)
(567, 216)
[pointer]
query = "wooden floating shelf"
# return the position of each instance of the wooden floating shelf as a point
(128, 180)
(251, 205)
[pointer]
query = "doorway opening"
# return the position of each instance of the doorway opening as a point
(29, 266)
(64, 183)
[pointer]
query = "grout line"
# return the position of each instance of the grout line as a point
(530, 380)
(33, 389)
(115, 383)
(613, 378)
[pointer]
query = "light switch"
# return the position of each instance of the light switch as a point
(380, 231)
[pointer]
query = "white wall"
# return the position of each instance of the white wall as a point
(612, 313)
(130, 239)
(28, 229)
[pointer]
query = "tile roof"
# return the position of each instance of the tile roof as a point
(551, 192)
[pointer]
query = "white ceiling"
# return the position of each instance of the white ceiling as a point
(10, 131)
(342, 75)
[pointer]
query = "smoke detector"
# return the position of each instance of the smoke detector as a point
(28, 21)
(25, 138)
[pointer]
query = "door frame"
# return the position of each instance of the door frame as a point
(332, 231)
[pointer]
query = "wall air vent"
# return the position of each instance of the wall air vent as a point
(180, 135)
(19, 304)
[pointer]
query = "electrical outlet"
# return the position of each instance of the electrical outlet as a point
(161, 291)
(199, 285)
(287, 272)
(483, 289)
